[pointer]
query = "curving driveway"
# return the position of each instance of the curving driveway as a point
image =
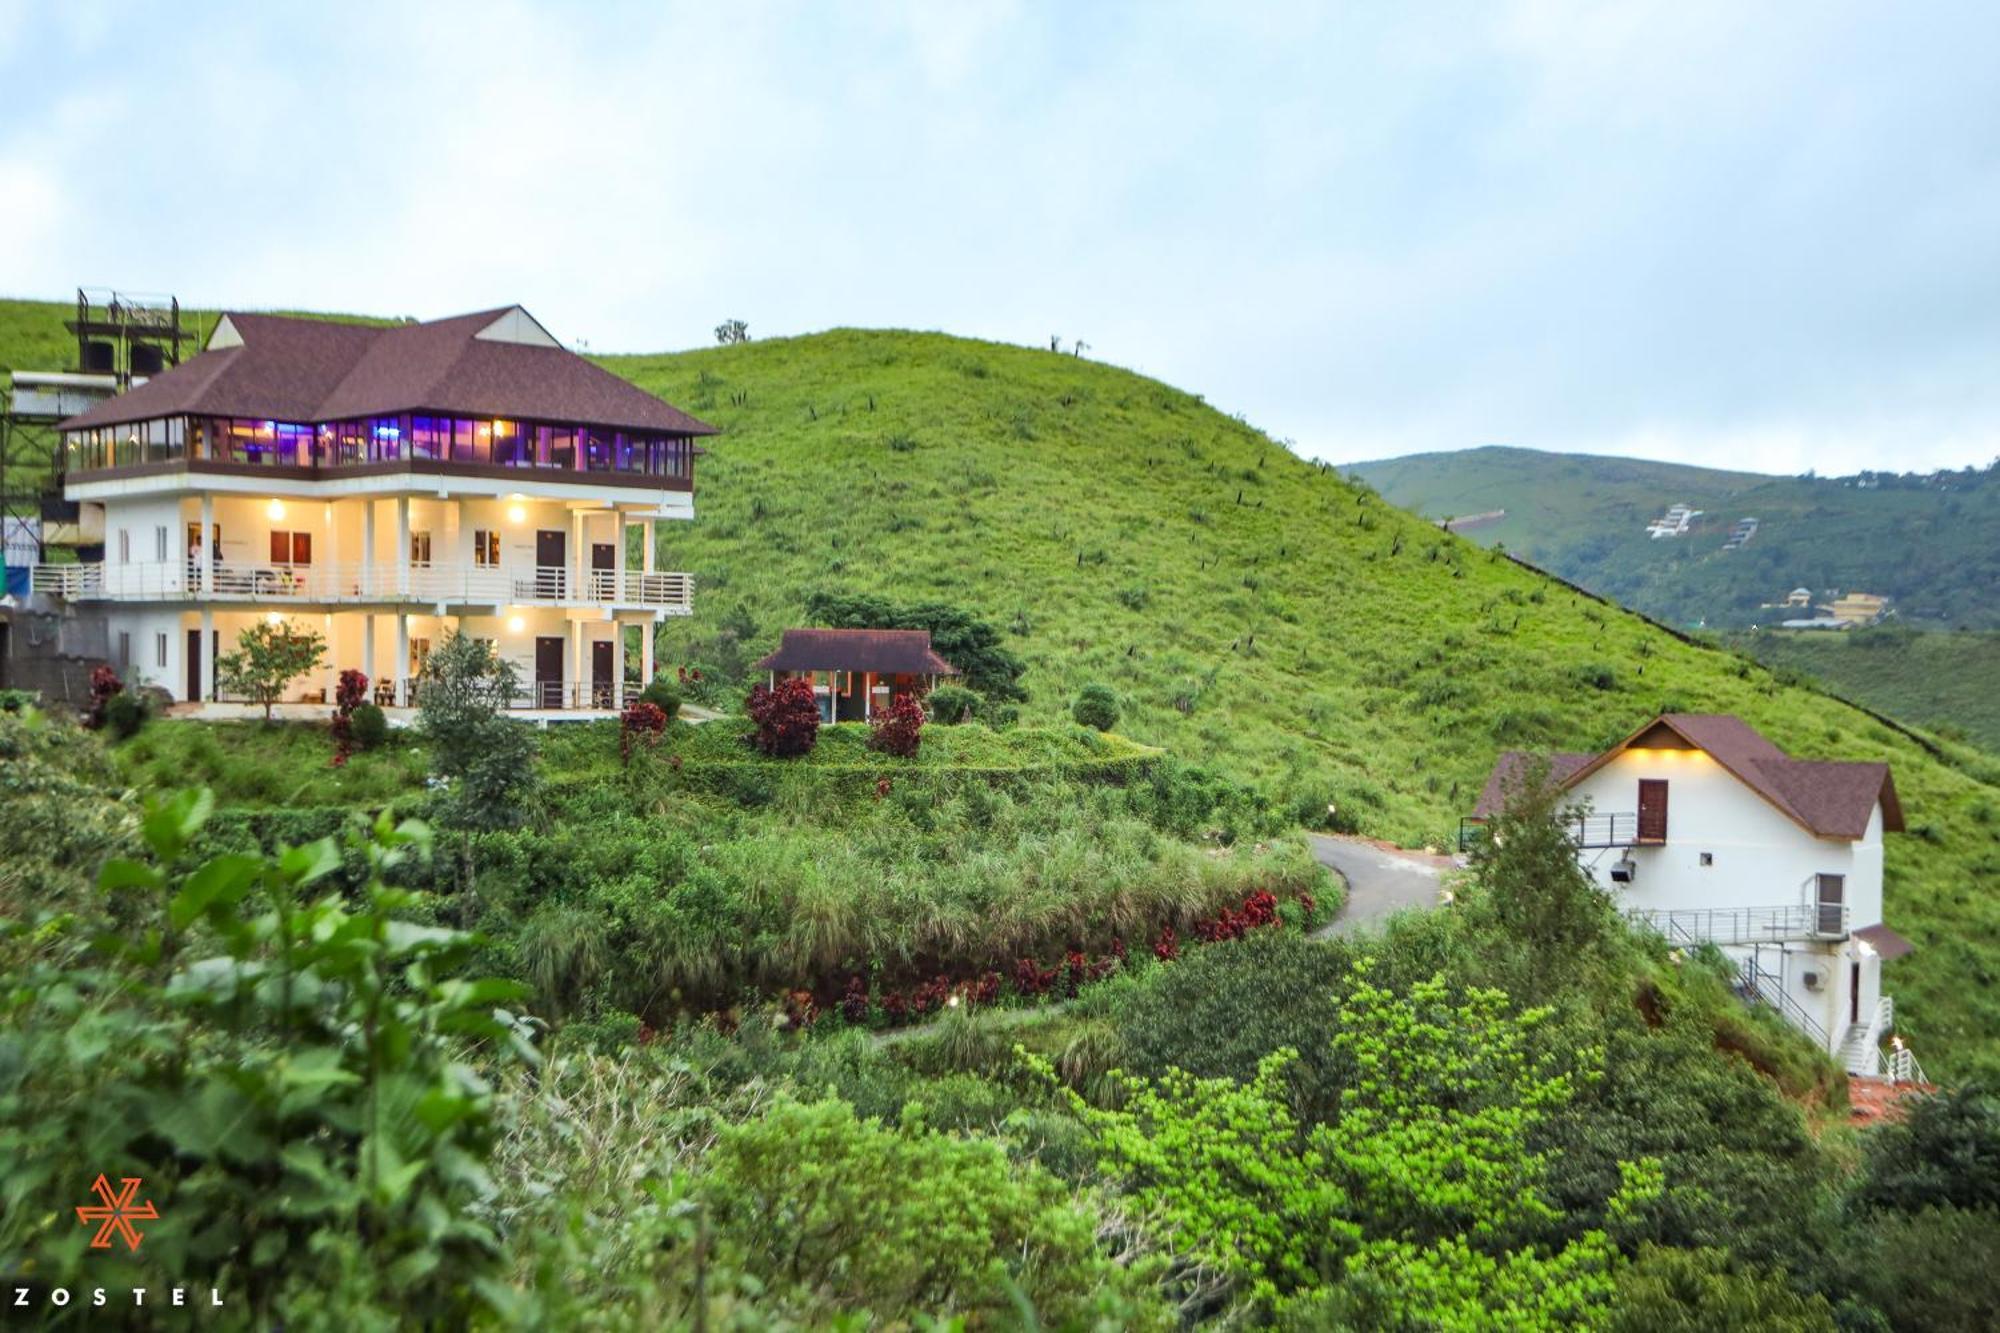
(1380, 881)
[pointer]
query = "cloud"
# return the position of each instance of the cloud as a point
(1744, 235)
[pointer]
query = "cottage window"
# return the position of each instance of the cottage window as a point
(124, 546)
(486, 547)
(420, 549)
(160, 543)
(160, 651)
(124, 650)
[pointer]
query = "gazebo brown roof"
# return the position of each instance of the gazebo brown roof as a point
(285, 368)
(883, 651)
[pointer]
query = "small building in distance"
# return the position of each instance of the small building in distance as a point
(1740, 534)
(856, 672)
(1674, 523)
(1858, 608)
(1798, 597)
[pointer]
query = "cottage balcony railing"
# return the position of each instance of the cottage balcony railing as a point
(339, 582)
(1618, 829)
(1743, 925)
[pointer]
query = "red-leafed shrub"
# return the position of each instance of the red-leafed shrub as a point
(930, 996)
(883, 787)
(1118, 947)
(986, 990)
(854, 1003)
(104, 686)
(800, 1011)
(640, 723)
(787, 718)
(898, 729)
(349, 693)
(1030, 978)
(1168, 946)
(895, 1005)
(1308, 905)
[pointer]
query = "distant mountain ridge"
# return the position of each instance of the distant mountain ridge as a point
(1930, 542)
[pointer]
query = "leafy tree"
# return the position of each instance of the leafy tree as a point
(1096, 706)
(732, 331)
(1946, 1151)
(269, 657)
(1531, 895)
(968, 643)
(899, 728)
(1402, 1202)
(486, 758)
(1704, 1291)
(787, 718)
(281, 1062)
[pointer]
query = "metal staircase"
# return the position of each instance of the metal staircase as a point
(1756, 983)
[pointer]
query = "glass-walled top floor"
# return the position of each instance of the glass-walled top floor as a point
(473, 442)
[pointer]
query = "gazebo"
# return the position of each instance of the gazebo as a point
(854, 672)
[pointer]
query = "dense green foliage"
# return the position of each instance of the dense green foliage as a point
(484, 758)
(1943, 681)
(1930, 542)
(1095, 706)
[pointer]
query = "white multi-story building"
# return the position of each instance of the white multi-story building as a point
(1776, 860)
(383, 486)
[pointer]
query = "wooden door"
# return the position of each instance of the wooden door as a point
(548, 670)
(602, 653)
(603, 571)
(1854, 992)
(1652, 810)
(193, 666)
(551, 562)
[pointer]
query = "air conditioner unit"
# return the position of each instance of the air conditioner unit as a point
(1813, 980)
(1624, 870)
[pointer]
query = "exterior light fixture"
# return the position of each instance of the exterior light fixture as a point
(515, 624)
(276, 509)
(516, 513)
(273, 618)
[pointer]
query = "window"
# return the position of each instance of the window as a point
(420, 550)
(124, 546)
(486, 547)
(1830, 895)
(124, 650)
(291, 548)
(160, 544)
(160, 650)
(1708, 858)
(420, 652)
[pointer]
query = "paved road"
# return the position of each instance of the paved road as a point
(1379, 883)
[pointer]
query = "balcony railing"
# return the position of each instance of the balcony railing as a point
(1744, 925)
(1585, 830)
(332, 583)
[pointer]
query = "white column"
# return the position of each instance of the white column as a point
(402, 566)
(207, 654)
(573, 687)
(618, 663)
(618, 571)
(368, 667)
(646, 554)
(646, 628)
(368, 568)
(400, 668)
(207, 548)
(332, 660)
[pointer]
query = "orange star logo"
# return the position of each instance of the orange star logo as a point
(117, 1212)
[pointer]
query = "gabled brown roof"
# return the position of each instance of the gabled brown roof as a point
(313, 370)
(887, 651)
(1512, 768)
(1830, 798)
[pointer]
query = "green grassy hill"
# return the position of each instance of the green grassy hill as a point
(1941, 680)
(1255, 612)
(1930, 543)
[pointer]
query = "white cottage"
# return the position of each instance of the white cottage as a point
(1704, 830)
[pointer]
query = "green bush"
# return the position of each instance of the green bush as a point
(17, 701)
(953, 704)
(838, 1214)
(664, 695)
(124, 715)
(1095, 706)
(368, 725)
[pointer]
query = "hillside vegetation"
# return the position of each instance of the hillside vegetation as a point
(1256, 613)
(1932, 543)
(1942, 680)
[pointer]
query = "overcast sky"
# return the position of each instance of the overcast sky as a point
(1754, 235)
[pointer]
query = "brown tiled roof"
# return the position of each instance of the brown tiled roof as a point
(1830, 798)
(1885, 941)
(888, 651)
(1512, 768)
(312, 370)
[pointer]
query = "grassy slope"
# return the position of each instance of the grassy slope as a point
(1325, 644)
(1934, 548)
(1944, 681)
